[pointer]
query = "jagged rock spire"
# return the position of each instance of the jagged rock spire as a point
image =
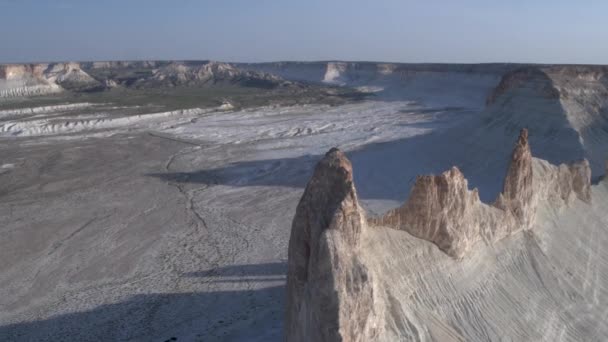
(440, 209)
(330, 199)
(330, 290)
(517, 191)
(328, 294)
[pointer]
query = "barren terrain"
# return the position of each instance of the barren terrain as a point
(160, 206)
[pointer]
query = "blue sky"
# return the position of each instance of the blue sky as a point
(469, 31)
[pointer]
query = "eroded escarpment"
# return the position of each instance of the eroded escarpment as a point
(442, 209)
(36, 79)
(330, 293)
(564, 106)
(331, 289)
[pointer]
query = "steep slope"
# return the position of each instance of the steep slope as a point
(527, 97)
(436, 84)
(419, 293)
(584, 98)
(71, 77)
(312, 72)
(25, 80)
(18, 80)
(565, 106)
(323, 260)
(207, 73)
(38, 79)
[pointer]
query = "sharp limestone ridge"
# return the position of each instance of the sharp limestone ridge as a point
(332, 294)
(442, 210)
(325, 237)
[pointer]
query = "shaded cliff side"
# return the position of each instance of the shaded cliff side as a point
(323, 260)
(17, 80)
(333, 291)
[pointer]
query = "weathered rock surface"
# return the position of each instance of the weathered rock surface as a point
(440, 209)
(208, 73)
(331, 293)
(517, 195)
(37, 79)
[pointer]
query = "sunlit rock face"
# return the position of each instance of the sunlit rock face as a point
(329, 296)
(517, 195)
(20, 80)
(336, 290)
(442, 209)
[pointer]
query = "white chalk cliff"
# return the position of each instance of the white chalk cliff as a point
(17, 80)
(21, 80)
(357, 279)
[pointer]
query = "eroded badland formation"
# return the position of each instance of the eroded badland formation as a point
(160, 200)
(332, 292)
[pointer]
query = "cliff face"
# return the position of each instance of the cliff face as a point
(36, 79)
(331, 294)
(39, 79)
(565, 106)
(207, 73)
(323, 261)
(442, 209)
(517, 196)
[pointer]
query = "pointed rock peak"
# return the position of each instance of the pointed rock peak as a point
(330, 199)
(439, 209)
(326, 288)
(335, 164)
(522, 147)
(519, 174)
(523, 137)
(517, 192)
(454, 172)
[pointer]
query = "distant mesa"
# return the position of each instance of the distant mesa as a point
(17, 80)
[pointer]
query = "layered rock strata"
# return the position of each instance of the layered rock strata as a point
(442, 209)
(39, 79)
(331, 294)
(323, 267)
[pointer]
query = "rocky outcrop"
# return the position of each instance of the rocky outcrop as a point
(208, 73)
(331, 294)
(535, 76)
(25, 80)
(442, 210)
(38, 79)
(517, 195)
(122, 64)
(565, 107)
(564, 183)
(71, 77)
(329, 291)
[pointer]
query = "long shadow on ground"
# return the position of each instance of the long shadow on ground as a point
(233, 315)
(387, 171)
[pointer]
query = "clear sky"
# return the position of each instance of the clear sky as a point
(543, 31)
